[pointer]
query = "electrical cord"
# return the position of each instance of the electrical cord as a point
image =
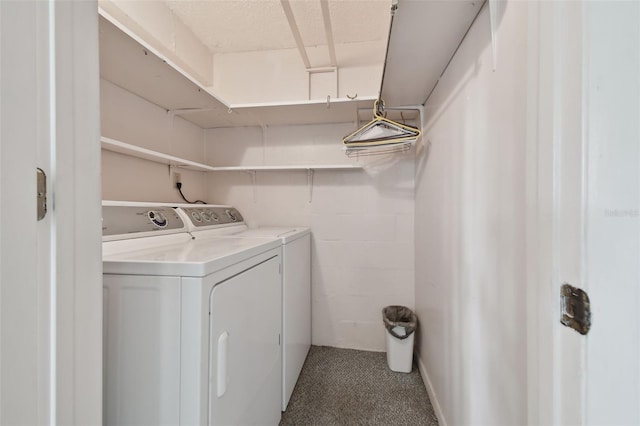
(179, 186)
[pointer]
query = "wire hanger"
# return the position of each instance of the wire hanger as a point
(381, 131)
(359, 151)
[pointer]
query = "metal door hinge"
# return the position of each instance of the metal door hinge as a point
(41, 193)
(575, 308)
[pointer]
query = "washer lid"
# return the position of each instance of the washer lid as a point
(194, 258)
(285, 234)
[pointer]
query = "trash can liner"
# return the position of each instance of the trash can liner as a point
(399, 316)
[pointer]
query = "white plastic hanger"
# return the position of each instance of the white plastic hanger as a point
(381, 131)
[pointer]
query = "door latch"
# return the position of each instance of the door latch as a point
(41, 194)
(575, 308)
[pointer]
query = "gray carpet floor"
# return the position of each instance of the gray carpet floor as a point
(349, 387)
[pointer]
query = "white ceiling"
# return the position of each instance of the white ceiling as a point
(253, 25)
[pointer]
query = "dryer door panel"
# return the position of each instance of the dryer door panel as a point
(141, 350)
(244, 354)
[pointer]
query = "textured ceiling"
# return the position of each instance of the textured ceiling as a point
(251, 25)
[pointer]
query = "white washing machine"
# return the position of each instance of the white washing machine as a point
(296, 279)
(191, 327)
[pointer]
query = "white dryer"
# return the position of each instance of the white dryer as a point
(296, 278)
(191, 328)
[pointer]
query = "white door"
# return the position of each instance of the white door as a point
(244, 342)
(23, 372)
(612, 210)
(50, 292)
(587, 228)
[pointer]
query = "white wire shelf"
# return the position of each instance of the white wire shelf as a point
(158, 157)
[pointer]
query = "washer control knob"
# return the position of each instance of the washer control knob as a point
(195, 215)
(231, 215)
(206, 216)
(215, 217)
(157, 218)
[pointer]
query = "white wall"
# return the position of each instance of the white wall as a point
(470, 230)
(155, 23)
(362, 222)
(131, 119)
(280, 75)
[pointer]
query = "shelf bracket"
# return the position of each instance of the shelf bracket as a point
(264, 128)
(419, 108)
(310, 183)
(323, 70)
(253, 183)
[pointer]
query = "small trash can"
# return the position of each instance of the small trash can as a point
(400, 323)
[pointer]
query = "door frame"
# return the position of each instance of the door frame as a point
(583, 162)
(76, 211)
(555, 215)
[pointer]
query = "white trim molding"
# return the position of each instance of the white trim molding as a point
(431, 391)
